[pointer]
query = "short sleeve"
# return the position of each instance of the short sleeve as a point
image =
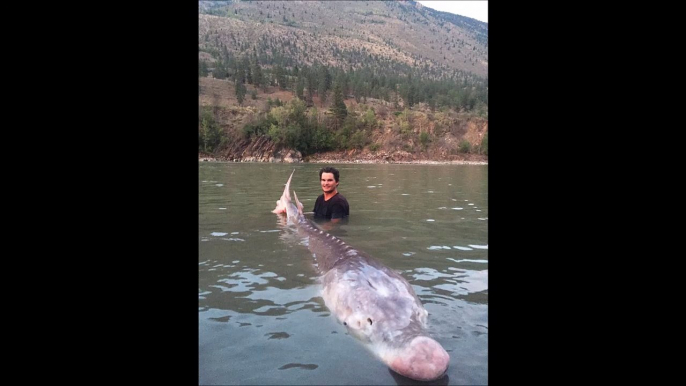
(337, 211)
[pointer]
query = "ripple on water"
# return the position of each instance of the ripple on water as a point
(468, 260)
(222, 319)
(299, 365)
(465, 281)
(429, 274)
(277, 335)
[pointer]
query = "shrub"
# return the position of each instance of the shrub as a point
(210, 135)
(465, 146)
(369, 119)
(358, 140)
(424, 139)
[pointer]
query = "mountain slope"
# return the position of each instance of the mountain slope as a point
(309, 80)
(345, 33)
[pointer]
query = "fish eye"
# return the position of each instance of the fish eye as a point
(345, 324)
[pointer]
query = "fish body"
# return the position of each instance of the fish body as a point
(376, 304)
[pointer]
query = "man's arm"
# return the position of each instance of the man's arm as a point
(329, 225)
(337, 213)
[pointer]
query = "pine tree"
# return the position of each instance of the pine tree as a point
(280, 77)
(240, 92)
(299, 86)
(248, 72)
(258, 78)
(322, 86)
(338, 109)
(240, 73)
(311, 85)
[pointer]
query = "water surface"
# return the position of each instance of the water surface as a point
(261, 317)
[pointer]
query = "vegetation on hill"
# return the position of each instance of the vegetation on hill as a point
(360, 95)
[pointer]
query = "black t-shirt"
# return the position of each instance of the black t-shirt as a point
(336, 207)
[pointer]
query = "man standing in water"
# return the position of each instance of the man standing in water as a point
(330, 205)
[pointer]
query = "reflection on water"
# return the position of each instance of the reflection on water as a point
(261, 317)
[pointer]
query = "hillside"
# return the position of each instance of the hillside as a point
(315, 81)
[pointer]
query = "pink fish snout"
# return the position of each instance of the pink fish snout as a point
(423, 360)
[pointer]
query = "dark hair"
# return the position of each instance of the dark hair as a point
(329, 169)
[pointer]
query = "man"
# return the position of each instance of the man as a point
(331, 204)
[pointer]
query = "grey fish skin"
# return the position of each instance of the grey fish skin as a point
(376, 304)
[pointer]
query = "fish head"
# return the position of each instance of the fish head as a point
(404, 346)
(408, 352)
(395, 332)
(360, 326)
(381, 310)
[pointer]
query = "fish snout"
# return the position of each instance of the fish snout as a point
(423, 359)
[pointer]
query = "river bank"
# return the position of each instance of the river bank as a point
(202, 158)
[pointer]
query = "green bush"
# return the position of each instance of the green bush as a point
(465, 146)
(258, 128)
(358, 140)
(374, 147)
(424, 138)
(210, 134)
(290, 126)
(369, 119)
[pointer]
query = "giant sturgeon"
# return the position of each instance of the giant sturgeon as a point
(376, 304)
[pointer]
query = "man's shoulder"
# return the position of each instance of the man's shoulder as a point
(341, 197)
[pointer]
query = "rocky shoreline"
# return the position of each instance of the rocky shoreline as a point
(343, 157)
(202, 158)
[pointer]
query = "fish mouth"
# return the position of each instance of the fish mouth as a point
(423, 359)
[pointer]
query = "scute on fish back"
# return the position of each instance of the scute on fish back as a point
(376, 304)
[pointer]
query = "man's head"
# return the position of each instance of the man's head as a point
(329, 169)
(328, 177)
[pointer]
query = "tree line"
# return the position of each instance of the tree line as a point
(408, 88)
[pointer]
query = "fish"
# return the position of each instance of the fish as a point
(375, 303)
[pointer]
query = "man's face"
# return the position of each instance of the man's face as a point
(329, 183)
